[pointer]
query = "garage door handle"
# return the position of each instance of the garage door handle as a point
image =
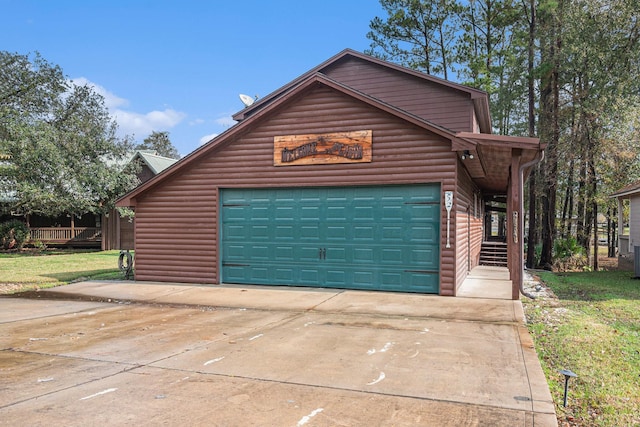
(322, 253)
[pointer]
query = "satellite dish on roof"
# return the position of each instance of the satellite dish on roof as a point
(246, 100)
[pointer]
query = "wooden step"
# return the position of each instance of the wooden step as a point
(493, 254)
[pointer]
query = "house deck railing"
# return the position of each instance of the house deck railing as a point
(65, 235)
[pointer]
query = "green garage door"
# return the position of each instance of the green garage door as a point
(380, 238)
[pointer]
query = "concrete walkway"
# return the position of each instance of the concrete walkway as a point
(475, 358)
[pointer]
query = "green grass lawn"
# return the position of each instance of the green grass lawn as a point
(593, 329)
(30, 270)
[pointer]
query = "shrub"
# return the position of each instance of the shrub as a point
(13, 234)
(37, 244)
(568, 255)
(563, 248)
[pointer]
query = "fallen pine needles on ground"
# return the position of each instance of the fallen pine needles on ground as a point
(589, 323)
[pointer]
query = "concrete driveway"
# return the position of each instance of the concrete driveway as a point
(150, 354)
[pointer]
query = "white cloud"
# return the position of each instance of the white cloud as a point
(134, 123)
(196, 122)
(207, 138)
(111, 100)
(141, 125)
(226, 121)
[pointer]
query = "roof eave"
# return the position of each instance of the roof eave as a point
(522, 142)
(236, 130)
(625, 194)
(479, 97)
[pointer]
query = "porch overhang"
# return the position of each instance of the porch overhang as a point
(492, 155)
(499, 165)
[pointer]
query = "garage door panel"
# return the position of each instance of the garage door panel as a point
(260, 232)
(419, 282)
(336, 255)
(260, 252)
(393, 233)
(364, 213)
(364, 233)
(427, 257)
(284, 232)
(424, 234)
(392, 213)
(363, 255)
(364, 279)
(336, 278)
(236, 252)
(234, 232)
(284, 275)
(283, 214)
(338, 233)
(308, 253)
(309, 232)
(390, 280)
(284, 254)
(384, 238)
(309, 276)
(336, 213)
(309, 213)
(392, 256)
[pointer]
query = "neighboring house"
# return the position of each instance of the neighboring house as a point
(358, 174)
(91, 230)
(627, 240)
(117, 232)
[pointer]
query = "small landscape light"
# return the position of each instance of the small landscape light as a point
(567, 374)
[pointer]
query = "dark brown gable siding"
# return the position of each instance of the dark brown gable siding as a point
(441, 105)
(145, 173)
(176, 233)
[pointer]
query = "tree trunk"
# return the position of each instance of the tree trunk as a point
(611, 233)
(532, 237)
(593, 202)
(570, 213)
(581, 235)
(567, 208)
(595, 236)
(549, 101)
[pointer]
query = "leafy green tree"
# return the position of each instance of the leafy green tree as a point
(418, 34)
(575, 62)
(58, 141)
(160, 142)
(483, 41)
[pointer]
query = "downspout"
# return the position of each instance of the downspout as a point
(536, 160)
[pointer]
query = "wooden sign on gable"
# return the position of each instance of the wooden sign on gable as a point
(323, 149)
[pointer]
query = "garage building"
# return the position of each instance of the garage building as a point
(359, 174)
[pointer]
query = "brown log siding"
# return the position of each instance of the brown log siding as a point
(440, 105)
(177, 222)
(469, 214)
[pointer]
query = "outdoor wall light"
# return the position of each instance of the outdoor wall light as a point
(467, 155)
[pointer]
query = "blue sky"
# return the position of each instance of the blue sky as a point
(178, 66)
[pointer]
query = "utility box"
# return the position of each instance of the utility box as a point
(636, 261)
